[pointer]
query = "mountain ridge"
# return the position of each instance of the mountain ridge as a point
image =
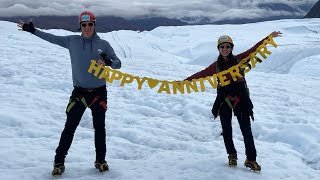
(314, 12)
(114, 23)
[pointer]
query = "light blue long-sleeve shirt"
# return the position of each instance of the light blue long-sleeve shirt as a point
(82, 50)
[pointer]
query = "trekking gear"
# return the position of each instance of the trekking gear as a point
(58, 169)
(87, 16)
(251, 115)
(232, 160)
(85, 25)
(80, 99)
(253, 165)
(243, 119)
(101, 165)
(28, 27)
(222, 47)
(80, 95)
(237, 92)
(215, 112)
(224, 39)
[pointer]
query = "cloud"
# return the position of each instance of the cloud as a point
(213, 9)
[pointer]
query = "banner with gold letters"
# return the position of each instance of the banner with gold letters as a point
(196, 85)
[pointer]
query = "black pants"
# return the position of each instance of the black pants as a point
(245, 126)
(73, 119)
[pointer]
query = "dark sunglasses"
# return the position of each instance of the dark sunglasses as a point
(222, 47)
(85, 24)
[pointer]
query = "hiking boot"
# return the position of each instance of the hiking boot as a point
(58, 169)
(253, 165)
(101, 165)
(232, 160)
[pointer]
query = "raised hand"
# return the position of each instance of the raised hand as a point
(276, 34)
(26, 27)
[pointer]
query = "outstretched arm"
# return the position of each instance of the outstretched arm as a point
(26, 27)
(209, 71)
(59, 40)
(251, 50)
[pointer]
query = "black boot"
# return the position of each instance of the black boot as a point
(253, 165)
(101, 165)
(232, 160)
(58, 169)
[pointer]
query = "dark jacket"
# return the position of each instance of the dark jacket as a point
(236, 94)
(234, 90)
(210, 70)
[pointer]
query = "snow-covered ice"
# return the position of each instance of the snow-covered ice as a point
(160, 136)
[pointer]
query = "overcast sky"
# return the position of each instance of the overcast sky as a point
(215, 9)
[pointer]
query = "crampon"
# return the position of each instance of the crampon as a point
(101, 165)
(253, 165)
(58, 169)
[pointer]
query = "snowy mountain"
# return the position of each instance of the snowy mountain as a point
(314, 12)
(256, 11)
(188, 13)
(155, 135)
(104, 23)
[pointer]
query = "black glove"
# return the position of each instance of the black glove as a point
(28, 27)
(251, 115)
(217, 103)
(215, 112)
(107, 62)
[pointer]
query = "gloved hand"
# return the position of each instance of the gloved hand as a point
(107, 62)
(215, 112)
(29, 27)
(217, 103)
(251, 115)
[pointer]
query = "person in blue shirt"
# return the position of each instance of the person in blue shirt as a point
(89, 91)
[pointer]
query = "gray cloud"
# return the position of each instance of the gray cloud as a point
(213, 9)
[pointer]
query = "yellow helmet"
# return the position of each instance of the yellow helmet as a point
(224, 39)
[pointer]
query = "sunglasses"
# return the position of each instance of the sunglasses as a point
(85, 24)
(222, 47)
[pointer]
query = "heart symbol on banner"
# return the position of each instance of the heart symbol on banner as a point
(152, 83)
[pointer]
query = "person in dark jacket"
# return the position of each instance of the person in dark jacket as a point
(233, 97)
(89, 91)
